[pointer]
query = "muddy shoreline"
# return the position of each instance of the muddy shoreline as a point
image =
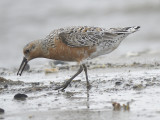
(136, 84)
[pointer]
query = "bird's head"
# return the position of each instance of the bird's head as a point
(30, 51)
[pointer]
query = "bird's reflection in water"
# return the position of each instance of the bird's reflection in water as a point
(87, 103)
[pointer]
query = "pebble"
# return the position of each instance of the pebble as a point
(116, 106)
(5, 86)
(118, 83)
(138, 87)
(52, 70)
(20, 96)
(1, 111)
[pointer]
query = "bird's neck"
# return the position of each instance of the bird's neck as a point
(44, 46)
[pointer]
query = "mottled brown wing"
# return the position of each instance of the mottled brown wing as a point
(80, 39)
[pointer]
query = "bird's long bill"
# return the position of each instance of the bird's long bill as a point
(22, 66)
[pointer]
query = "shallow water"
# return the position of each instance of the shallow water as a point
(138, 86)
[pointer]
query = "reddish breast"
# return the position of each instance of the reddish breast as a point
(67, 53)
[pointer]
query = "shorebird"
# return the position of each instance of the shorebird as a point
(75, 44)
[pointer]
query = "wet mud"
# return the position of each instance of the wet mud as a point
(118, 90)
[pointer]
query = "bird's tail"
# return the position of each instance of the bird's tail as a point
(131, 29)
(126, 30)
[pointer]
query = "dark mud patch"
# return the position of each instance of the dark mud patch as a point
(4, 82)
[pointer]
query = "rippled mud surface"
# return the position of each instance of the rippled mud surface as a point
(136, 85)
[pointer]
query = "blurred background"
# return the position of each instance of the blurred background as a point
(22, 21)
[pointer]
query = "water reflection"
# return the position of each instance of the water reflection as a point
(88, 105)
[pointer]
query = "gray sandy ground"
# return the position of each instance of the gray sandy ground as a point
(135, 83)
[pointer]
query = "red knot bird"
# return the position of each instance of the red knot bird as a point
(75, 44)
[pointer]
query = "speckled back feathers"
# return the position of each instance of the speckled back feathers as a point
(81, 36)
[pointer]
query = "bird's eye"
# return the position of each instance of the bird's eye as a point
(27, 51)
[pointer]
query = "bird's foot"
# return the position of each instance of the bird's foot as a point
(61, 87)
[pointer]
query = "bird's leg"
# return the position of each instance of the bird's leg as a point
(68, 81)
(85, 70)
